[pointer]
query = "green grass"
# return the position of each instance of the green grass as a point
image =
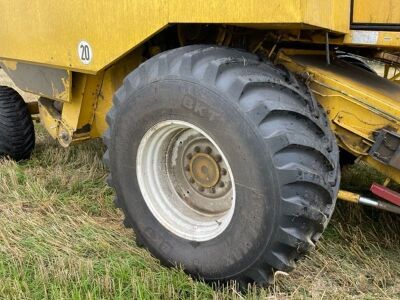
(61, 238)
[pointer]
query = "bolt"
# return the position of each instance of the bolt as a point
(208, 150)
(212, 190)
(221, 184)
(224, 172)
(191, 180)
(218, 158)
(189, 156)
(197, 149)
(187, 168)
(64, 136)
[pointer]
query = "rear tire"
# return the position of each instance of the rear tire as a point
(274, 136)
(17, 134)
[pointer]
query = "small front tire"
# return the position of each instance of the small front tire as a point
(17, 134)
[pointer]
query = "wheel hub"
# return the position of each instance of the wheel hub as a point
(200, 173)
(204, 170)
(186, 180)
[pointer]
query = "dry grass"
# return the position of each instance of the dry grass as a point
(61, 238)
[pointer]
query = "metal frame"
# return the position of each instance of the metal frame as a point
(358, 104)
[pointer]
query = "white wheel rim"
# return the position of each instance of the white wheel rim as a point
(206, 210)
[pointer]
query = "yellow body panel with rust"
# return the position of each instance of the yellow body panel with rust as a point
(44, 32)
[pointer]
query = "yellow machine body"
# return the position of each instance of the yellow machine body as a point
(39, 31)
(77, 53)
(373, 12)
(357, 103)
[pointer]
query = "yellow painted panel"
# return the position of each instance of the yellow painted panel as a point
(377, 93)
(373, 11)
(233, 11)
(52, 33)
(49, 32)
(334, 15)
(331, 14)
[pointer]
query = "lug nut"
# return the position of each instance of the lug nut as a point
(212, 190)
(191, 180)
(218, 158)
(221, 184)
(197, 149)
(189, 156)
(224, 172)
(201, 189)
(208, 150)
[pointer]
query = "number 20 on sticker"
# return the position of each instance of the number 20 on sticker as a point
(85, 52)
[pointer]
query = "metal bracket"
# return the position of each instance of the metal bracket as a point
(386, 148)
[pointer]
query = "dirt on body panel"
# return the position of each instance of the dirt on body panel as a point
(5, 80)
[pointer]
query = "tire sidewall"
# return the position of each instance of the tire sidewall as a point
(257, 190)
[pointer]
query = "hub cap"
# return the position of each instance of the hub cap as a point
(185, 180)
(204, 169)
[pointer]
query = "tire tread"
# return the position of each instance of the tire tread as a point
(17, 135)
(240, 76)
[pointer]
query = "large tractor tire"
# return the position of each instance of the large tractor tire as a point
(17, 134)
(221, 163)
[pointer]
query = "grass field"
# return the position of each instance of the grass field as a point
(61, 238)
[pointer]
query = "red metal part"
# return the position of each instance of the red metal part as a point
(385, 193)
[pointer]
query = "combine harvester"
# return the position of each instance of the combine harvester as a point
(223, 119)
